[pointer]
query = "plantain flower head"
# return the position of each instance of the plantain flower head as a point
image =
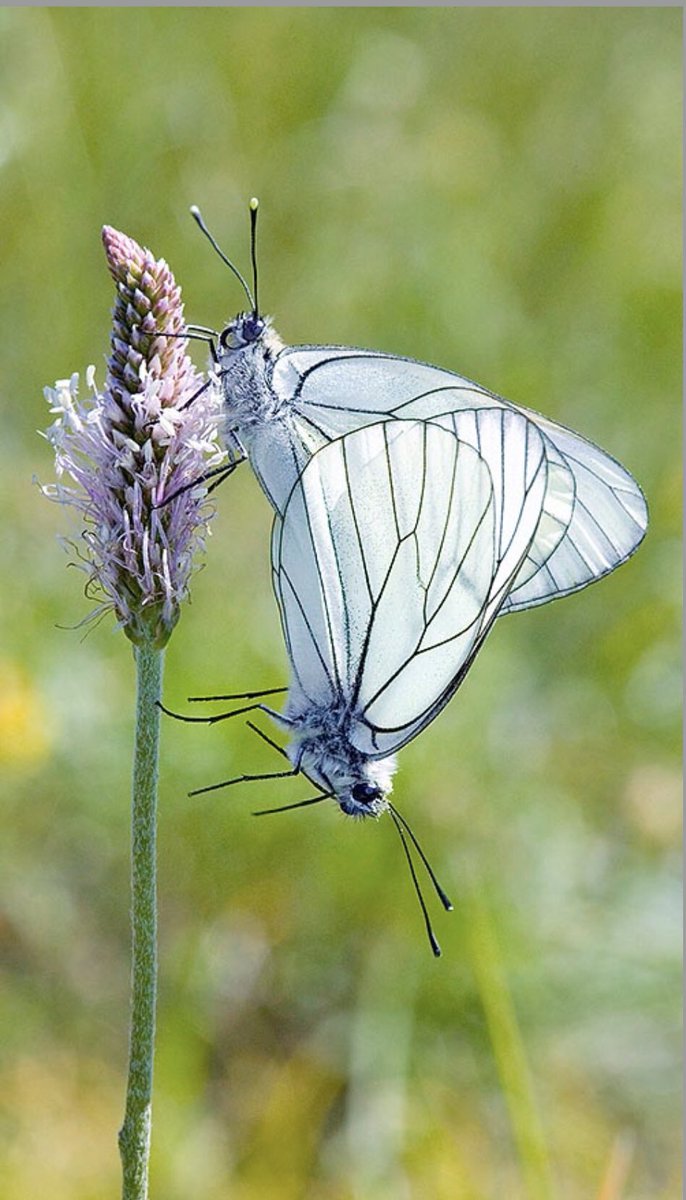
(127, 456)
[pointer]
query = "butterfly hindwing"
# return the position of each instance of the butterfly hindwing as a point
(608, 521)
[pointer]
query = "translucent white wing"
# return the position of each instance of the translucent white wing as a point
(337, 388)
(594, 515)
(506, 439)
(278, 452)
(393, 557)
(328, 391)
(608, 521)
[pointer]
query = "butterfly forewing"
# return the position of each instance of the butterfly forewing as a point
(389, 558)
(438, 579)
(345, 380)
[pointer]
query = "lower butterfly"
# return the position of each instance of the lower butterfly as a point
(396, 551)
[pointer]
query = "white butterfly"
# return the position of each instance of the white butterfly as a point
(396, 551)
(284, 403)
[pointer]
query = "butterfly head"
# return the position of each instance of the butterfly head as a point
(244, 330)
(360, 788)
(322, 747)
(363, 799)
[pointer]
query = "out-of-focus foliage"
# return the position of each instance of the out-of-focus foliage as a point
(493, 190)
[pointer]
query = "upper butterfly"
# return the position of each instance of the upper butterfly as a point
(283, 403)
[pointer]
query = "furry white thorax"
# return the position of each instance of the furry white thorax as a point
(321, 746)
(244, 370)
(259, 418)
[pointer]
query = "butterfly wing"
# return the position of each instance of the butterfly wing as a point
(594, 516)
(608, 521)
(506, 439)
(336, 389)
(328, 391)
(395, 553)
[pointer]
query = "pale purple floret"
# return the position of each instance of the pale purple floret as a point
(129, 446)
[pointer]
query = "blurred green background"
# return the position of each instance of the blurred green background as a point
(493, 190)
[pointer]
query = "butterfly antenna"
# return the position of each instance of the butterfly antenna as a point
(198, 218)
(444, 899)
(433, 941)
(254, 205)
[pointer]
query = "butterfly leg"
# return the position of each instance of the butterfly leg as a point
(207, 720)
(225, 471)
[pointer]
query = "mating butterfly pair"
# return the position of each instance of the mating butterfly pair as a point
(412, 508)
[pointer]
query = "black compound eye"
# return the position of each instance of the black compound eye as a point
(365, 793)
(253, 327)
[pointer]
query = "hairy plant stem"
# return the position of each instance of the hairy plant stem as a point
(134, 1135)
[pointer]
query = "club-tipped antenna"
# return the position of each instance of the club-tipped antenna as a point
(433, 940)
(444, 899)
(198, 218)
(254, 205)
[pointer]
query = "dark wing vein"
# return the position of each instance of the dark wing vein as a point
(325, 601)
(368, 633)
(447, 589)
(356, 526)
(445, 527)
(283, 574)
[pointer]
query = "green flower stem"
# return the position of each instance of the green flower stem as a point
(134, 1135)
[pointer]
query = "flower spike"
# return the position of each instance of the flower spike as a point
(127, 447)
